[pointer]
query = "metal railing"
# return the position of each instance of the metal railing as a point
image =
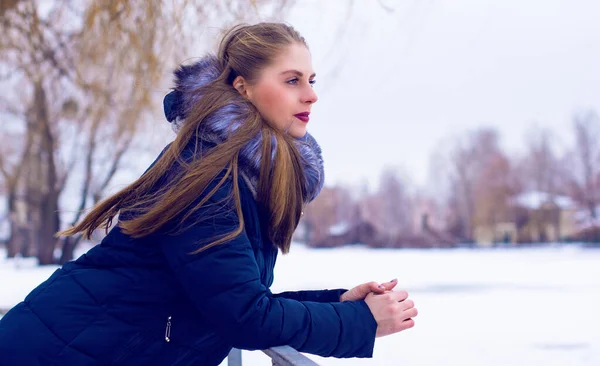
(280, 356)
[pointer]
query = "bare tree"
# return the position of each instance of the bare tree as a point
(396, 204)
(332, 206)
(463, 178)
(6, 5)
(13, 155)
(481, 180)
(494, 190)
(541, 168)
(85, 75)
(585, 157)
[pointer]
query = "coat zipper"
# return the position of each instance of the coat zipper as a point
(168, 330)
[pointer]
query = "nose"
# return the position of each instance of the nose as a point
(309, 96)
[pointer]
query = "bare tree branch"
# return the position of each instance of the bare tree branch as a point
(7, 5)
(112, 170)
(97, 65)
(385, 7)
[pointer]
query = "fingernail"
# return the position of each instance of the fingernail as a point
(394, 280)
(381, 287)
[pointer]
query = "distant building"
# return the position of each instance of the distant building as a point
(533, 217)
(588, 226)
(548, 218)
(501, 232)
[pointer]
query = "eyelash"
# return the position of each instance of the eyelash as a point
(294, 80)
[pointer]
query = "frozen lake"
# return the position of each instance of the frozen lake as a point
(477, 307)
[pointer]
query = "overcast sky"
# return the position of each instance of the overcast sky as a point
(395, 85)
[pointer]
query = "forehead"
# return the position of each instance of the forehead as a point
(293, 57)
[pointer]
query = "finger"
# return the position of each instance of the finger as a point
(390, 285)
(374, 287)
(410, 313)
(362, 290)
(404, 324)
(407, 304)
(397, 295)
(408, 323)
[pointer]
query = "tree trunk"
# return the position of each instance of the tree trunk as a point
(47, 228)
(592, 208)
(48, 215)
(69, 244)
(12, 245)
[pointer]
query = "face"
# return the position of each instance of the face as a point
(283, 92)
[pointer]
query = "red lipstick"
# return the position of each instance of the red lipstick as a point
(304, 116)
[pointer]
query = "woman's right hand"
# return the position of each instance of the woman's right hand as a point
(393, 311)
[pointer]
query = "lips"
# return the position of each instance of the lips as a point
(304, 116)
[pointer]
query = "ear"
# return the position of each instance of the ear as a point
(240, 84)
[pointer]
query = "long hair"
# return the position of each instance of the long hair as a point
(244, 51)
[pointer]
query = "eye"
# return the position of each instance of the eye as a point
(312, 82)
(293, 81)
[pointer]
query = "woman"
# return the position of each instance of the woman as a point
(185, 274)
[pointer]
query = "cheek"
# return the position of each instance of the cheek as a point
(275, 104)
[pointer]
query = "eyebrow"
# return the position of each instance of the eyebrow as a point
(298, 73)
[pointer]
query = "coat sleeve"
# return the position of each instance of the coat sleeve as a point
(313, 295)
(223, 282)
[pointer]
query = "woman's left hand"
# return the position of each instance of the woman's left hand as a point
(361, 291)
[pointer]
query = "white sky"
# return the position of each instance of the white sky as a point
(394, 86)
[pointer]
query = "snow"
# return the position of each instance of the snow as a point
(339, 228)
(535, 199)
(585, 221)
(477, 307)
(19, 277)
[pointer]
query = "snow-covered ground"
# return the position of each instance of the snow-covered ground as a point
(477, 307)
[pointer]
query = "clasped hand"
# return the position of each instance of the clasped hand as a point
(392, 310)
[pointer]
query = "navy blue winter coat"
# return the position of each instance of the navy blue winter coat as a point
(112, 305)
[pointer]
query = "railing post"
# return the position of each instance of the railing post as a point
(287, 356)
(280, 356)
(235, 357)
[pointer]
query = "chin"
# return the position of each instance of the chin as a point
(297, 132)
